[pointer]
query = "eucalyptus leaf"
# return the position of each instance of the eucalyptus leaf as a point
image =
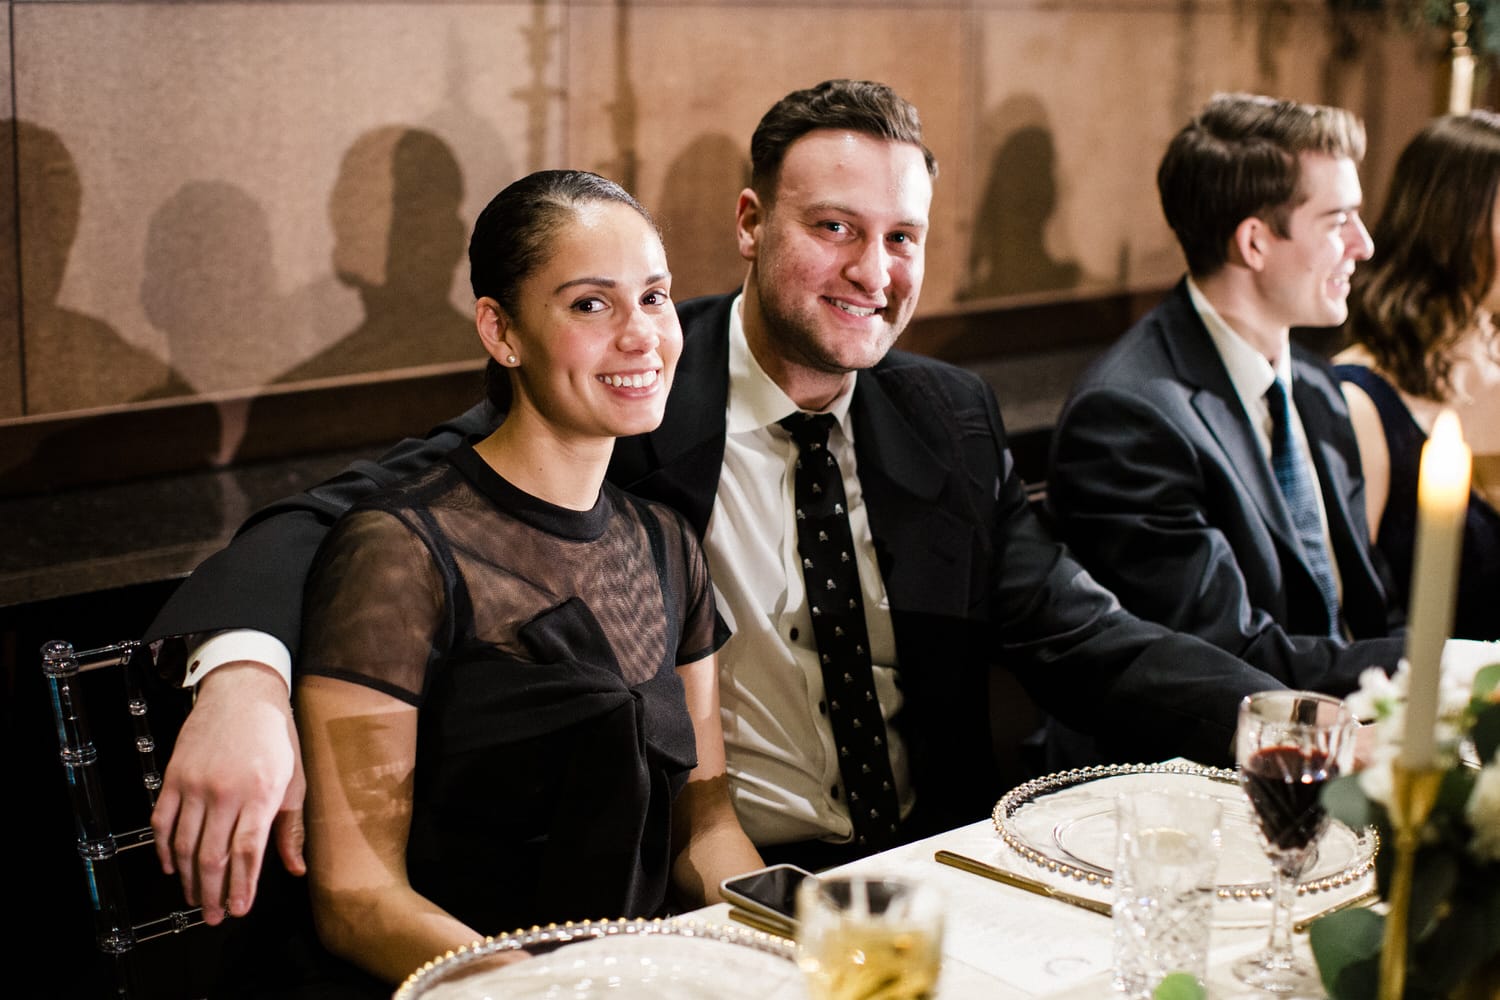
(1433, 878)
(1347, 948)
(1179, 986)
(1452, 797)
(1486, 732)
(1346, 801)
(1491, 920)
(1458, 946)
(1486, 680)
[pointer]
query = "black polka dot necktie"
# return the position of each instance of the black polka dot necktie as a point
(825, 545)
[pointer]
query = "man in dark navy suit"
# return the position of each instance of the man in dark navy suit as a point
(959, 578)
(1204, 469)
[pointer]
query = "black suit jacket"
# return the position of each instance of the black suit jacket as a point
(1159, 484)
(973, 578)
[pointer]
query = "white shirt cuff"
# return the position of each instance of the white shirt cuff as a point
(235, 645)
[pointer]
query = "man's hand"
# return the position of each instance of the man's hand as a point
(236, 771)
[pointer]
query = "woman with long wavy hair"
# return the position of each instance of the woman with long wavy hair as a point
(1423, 339)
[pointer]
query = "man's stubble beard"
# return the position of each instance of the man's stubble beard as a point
(795, 339)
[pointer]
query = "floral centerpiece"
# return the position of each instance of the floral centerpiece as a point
(1454, 932)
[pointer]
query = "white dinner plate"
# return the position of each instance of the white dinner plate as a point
(619, 959)
(1065, 823)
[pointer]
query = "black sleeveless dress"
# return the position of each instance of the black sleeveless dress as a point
(1477, 611)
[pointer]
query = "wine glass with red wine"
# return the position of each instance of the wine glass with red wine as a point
(1288, 745)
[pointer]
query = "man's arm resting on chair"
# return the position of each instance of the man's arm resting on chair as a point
(237, 768)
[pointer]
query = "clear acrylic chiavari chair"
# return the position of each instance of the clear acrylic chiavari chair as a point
(102, 848)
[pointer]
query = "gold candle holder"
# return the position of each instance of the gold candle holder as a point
(1413, 793)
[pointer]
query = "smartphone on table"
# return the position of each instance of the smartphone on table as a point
(769, 893)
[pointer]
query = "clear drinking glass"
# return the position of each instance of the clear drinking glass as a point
(1288, 745)
(864, 937)
(1166, 862)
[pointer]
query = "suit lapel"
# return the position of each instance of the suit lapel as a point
(1318, 422)
(1326, 424)
(1218, 405)
(886, 444)
(924, 551)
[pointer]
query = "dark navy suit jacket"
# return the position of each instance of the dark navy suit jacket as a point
(1159, 485)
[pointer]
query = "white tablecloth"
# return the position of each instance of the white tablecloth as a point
(1003, 943)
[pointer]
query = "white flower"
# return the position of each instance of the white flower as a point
(1382, 698)
(1483, 812)
(1463, 658)
(1376, 780)
(1378, 694)
(1454, 693)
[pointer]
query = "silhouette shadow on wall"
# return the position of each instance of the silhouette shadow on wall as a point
(210, 286)
(1008, 252)
(398, 239)
(696, 212)
(75, 362)
(72, 360)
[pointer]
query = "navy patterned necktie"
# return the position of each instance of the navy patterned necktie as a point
(1297, 487)
(826, 547)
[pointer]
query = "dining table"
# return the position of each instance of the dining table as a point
(1025, 897)
(1006, 943)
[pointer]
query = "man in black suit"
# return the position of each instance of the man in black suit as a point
(957, 575)
(1164, 477)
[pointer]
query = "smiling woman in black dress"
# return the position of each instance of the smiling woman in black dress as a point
(508, 698)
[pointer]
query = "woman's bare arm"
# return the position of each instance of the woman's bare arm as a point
(359, 748)
(711, 845)
(1374, 459)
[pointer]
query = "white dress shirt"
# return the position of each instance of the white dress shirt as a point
(233, 645)
(781, 757)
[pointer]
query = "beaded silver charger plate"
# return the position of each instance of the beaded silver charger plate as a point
(671, 960)
(1065, 823)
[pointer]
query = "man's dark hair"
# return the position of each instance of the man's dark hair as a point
(1241, 157)
(846, 105)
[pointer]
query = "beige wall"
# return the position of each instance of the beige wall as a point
(10, 291)
(218, 196)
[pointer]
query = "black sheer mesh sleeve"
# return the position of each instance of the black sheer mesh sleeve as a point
(373, 607)
(700, 636)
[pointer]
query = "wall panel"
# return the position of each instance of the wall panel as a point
(212, 201)
(698, 83)
(1075, 106)
(267, 192)
(10, 294)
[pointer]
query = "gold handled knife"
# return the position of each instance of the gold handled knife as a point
(1021, 882)
(1364, 898)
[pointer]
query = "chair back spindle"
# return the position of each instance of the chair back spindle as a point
(99, 845)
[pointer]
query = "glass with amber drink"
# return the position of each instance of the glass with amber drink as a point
(868, 937)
